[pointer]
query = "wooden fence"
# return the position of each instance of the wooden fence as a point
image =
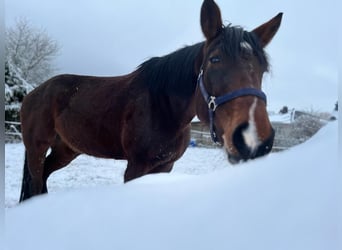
(284, 136)
(12, 131)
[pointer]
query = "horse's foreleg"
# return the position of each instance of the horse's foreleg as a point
(163, 168)
(134, 171)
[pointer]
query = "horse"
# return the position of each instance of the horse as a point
(144, 117)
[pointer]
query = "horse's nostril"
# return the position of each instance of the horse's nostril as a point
(239, 141)
(266, 145)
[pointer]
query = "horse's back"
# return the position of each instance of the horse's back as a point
(84, 111)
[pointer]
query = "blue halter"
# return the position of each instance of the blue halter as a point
(213, 101)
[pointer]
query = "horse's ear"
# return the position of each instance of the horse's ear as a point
(211, 21)
(266, 31)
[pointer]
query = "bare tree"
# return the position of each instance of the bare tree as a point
(31, 51)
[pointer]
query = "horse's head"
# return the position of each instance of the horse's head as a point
(230, 97)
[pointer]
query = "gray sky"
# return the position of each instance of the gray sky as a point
(107, 37)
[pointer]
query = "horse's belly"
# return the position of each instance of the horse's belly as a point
(87, 138)
(94, 148)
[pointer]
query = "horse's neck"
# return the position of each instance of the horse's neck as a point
(183, 110)
(171, 83)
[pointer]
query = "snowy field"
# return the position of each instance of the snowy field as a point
(288, 200)
(87, 171)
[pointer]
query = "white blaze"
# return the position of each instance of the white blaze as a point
(246, 45)
(250, 135)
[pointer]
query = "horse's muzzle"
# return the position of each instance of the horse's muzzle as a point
(247, 152)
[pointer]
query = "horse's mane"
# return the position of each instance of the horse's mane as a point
(231, 38)
(171, 74)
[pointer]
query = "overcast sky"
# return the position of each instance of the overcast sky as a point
(112, 37)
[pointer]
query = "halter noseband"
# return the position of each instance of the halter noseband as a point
(213, 101)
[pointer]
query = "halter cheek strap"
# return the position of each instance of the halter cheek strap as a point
(213, 101)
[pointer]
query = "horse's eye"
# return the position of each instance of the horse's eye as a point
(214, 59)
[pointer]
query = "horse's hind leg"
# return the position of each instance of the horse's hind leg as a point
(60, 156)
(26, 182)
(33, 171)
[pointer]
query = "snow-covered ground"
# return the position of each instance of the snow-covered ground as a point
(87, 171)
(289, 200)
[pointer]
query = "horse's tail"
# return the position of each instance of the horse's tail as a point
(26, 182)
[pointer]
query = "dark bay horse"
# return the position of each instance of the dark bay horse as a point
(145, 116)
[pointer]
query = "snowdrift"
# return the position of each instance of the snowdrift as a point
(286, 201)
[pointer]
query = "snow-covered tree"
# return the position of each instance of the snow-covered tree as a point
(28, 62)
(15, 89)
(15, 86)
(31, 51)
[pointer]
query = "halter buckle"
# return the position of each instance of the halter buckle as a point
(212, 103)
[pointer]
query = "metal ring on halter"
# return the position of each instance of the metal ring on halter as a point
(212, 103)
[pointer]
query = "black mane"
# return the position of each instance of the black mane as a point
(172, 74)
(231, 38)
(175, 73)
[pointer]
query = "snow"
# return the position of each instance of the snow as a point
(87, 171)
(283, 118)
(195, 119)
(17, 73)
(286, 200)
